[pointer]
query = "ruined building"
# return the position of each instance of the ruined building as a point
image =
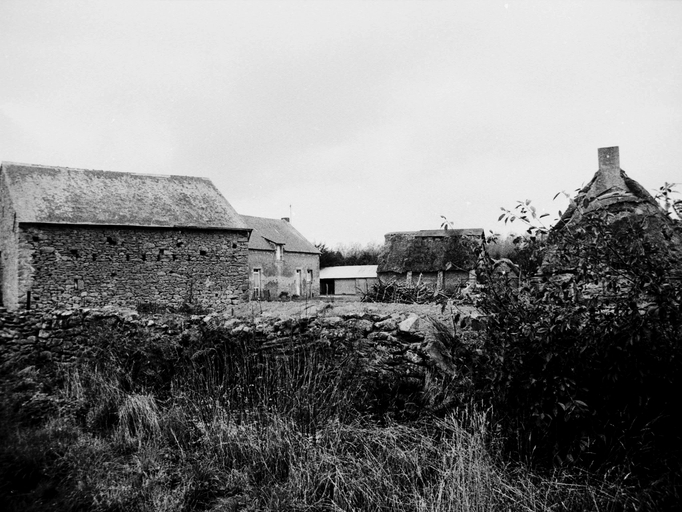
(72, 237)
(622, 201)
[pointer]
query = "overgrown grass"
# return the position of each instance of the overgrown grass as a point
(235, 428)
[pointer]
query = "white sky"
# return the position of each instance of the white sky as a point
(365, 117)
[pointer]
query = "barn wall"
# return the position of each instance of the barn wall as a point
(345, 286)
(452, 280)
(9, 248)
(96, 266)
(280, 276)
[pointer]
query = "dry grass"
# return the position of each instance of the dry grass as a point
(263, 435)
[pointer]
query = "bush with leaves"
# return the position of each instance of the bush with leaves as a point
(585, 363)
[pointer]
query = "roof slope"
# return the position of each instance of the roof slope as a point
(61, 195)
(267, 232)
(623, 200)
(430, 251)
(610, 189)
(349, 272)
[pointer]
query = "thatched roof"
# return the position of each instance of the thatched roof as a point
(612, 190)
(430, 251)
(270, 232)
(60, 195)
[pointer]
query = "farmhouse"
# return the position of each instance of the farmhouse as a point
(75, 237)
(347, 280)
(442, 258)
(281, 261)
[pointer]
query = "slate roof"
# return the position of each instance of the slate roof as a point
(267, 232)
(349, 272)
(60, 195)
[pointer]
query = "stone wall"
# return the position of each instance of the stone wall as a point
(63, 335)
(8, 245)
(93, 266)
(280, 276)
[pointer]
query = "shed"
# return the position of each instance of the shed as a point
(347, 280)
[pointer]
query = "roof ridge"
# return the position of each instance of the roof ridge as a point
(82, 169)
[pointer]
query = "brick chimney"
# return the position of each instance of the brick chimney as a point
(288, 220)
(608, 176)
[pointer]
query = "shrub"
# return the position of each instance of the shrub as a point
(585, 363)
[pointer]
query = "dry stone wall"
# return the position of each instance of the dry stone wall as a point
(78, 266)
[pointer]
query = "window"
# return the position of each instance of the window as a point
(279, 252)
(297, 282)
(256, 283)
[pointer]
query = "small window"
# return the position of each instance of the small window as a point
(111, 241)
(78, 283)
(279, 251)
(94, 257)
(144, 256)
(202, 252)
(74, 253)
(234, 245)
(180, 243)
(127, 257)
(174, 257)
(36, 238)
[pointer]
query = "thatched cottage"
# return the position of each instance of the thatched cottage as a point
(76, 237)
(442, 258)
(281, 261)
(622, 198)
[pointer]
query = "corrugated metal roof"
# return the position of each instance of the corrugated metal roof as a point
(276, 231)
(349, 272)
(61, 195)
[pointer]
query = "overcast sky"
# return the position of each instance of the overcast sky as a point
(361, 118)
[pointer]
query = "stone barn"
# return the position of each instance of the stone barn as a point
(73, 237)
(441, 258)
(281, 261)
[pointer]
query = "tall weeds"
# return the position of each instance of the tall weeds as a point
(237, 427)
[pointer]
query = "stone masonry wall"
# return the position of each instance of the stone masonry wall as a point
(74, 266)
(8, 247)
